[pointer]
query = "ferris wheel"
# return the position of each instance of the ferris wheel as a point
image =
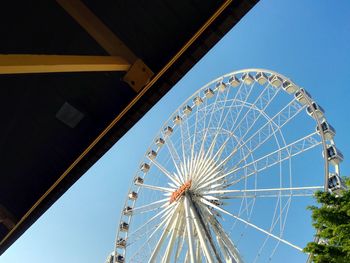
(230, 174)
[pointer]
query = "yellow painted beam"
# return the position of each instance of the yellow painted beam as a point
(140, 74)
(97, 29)
(19, 64)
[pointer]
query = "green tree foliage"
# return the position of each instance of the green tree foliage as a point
(332, 222)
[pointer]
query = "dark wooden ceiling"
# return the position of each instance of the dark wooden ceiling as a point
(54, 126)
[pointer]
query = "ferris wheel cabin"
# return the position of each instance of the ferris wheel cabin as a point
(151, 155)
(145, 167)
(302, 96)
(315, 110)
(247, 78)
(127, 211)
(124, 227)
(289, 87)
(221, 86)
(261, 78)
(160, 142)
(121, 243)
(177, 119)
(187, 110)
(234, 81)
(209, 93)
(275, 81)
(120, 259)
(197, 101)
(336, 184)
(334, 155)
(132, 195)
(168, 131)
(327, 129)
(138, 180)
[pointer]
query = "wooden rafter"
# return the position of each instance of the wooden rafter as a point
(17, 64)
(139, 74)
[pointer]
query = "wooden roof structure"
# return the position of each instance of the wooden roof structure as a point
(76, 75)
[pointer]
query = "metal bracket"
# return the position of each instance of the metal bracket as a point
(138, 75)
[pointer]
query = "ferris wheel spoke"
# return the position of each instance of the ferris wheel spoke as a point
(166, 211)
(273, 224)
(165, 222)
(227, 243)
(207, 126)
(173, 153)
(180, 243)
(190, 233)
(292, 191)
(156, 188)
(198, 251)
(252, 225)
(285, 153)
(253, 113)
(150, 207)
(266, 131)
(167, 227)
(171, 243)
(165, 172)
(200, 232)
(220, 122)
(297, 147)
(244, 94)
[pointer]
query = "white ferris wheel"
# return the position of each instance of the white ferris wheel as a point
(230, 174)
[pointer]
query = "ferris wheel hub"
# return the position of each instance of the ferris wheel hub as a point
(180, 191)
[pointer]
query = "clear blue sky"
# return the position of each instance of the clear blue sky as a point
(308, 41)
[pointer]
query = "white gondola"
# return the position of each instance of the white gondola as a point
(328, 130)
(187, 110)
(119, 259)
(127, 211)
(177, 119)
(197, 101)
(261, 78)
(132, 195)
(289, 87)
(234, 81)
(315, 110)
(209, 93)
(138, 180)
(275, 81)
(124, 227)
(152, 154)
(159, 142)
(121, 243)
(221, 86)
(144, 167)
(247, 78)
(168, 130)
(336, 184)
(334, 155)
(302, 96)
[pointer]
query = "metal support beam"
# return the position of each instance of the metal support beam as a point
(18, 64)
(139, 74)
